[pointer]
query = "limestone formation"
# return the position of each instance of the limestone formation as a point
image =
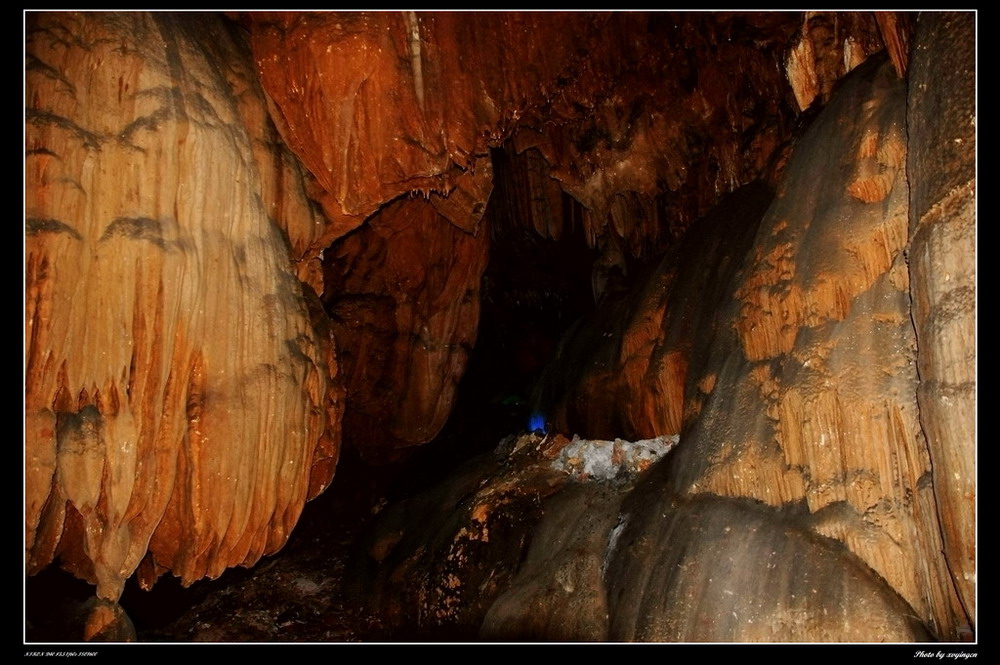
(403, 294)
(180, 404)
(942, 253)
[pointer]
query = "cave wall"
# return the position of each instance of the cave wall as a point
(405, 291)
(808, 395)
(180, 402)
(801, 503)
(646, 119)
(810, 385)
(379, 106)
(622, 371)
(805, 385)
(942, 254)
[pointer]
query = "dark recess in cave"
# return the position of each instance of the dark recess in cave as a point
(534, 288)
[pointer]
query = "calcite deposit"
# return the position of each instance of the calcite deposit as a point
(180, 403)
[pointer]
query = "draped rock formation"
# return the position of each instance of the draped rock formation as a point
(180, 403)
(404, 294)
(807, 397)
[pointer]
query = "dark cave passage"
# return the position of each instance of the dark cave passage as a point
(534, 288)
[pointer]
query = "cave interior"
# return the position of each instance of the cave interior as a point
(500, 326)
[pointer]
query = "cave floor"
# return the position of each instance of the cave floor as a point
(294, 596)
(297, 595)
(301, 594)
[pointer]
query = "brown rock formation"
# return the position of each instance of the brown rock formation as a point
(708, 569)
(512, 545)
(180, 404)
(616, 109)
(808, 396)
(403, 293)
(831, 44)
(562, 577)
(439, 578)
(942, 257)
(624, 372)
(381, 104)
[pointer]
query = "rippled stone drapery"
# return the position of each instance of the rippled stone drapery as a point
(180, 404)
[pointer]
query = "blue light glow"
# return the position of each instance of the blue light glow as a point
(536, 422)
